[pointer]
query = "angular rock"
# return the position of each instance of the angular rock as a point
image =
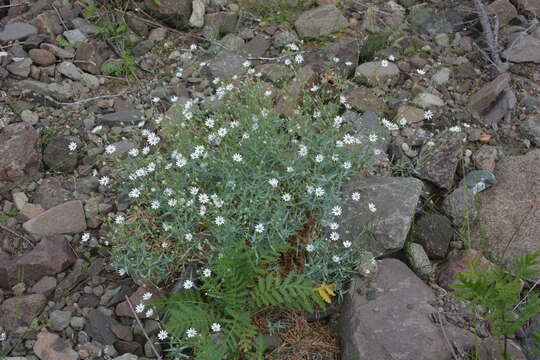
(20, 156)
(442, 76)
(376, 74)
(482, 100)
(89, 58)
(502, 108)
(433, 21)
(257, 46)
(344, 50)
(395, 200)
(508, 211)
(98, 326)
(68, 69)
(434, 232)
(437, 163)
(50, 346)
(74, 36)
(504, 10)
(525, 49)
(61, 219)
(17, 31)
(457, 261)
(44, 286)
(20, 68)
(126, 116)
(418, 260)
(57, 91)
(410, 113)
(320, 21)
(52, 192)
(284, 38)
(485, 157)
(29, 117)
(21, 310)
(219, 23)
(460, 206)
(142, 48)
(226, 65)
(396, 324)
(197, 14)
(49, 257)
(426, 100)
(364, 99)
(59, 320)
(58, 157)
(174, 12)
(530, 128)
(276, 73)
(478, 180)
(48, 23)
(530, 7)
(58, 51)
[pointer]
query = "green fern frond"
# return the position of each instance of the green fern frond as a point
(291, 291)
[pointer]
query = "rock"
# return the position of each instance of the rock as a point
(426, 100)
(284, 38)
(98, 326)
(457, 261)
(50, 346)
(230, 42)
(482, 100)
(290, 94)
(49, 257)
(226, 65)
(17, 31)
(123, 308)
(345, 50)
(126, 116)
(57, 91)
(77, 322)
(530, 128)
(52, 192)
(504, 10)
(367, 124)
(88, 300)
(418, 260)
(320, 21)
(442, 40)
(90, 81)
(74, 36)
(58, 157)
(395, 200)
(197, 14)
(441, 77)
(508, 210)
(460, 206)
(219, 23)
(478, 180)
(530, 7)
(173, 12)
(59, 320)
(432, 21)
(491, 349)
(29, 117)
(21, 310)
(61, 219)
(20, 68)
(276, 73)
(142, 48)
(485, 157)
(20, 156)
(504, 104)
(376, 74)
(364, 99)
(434, 232)
(395, 324)
(44, 286)
(42, 57)
(410, 113)
(525, 49)
(48, 23)
(68, 69)
(257, 46)
(126, 357)
(20, 199)
(89, 58)
(437, 163)
(122, 331)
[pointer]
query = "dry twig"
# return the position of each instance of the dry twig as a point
(491, 35)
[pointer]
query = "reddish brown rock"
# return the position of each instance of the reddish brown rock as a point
(504, 10)
(89, 58)
(50, 346)
(62, 219)
(457, 261)
(21, 310)
(49, 257)
(48, 23)
(20, 156)
(42, 57)
(31, 210)
(123, 308)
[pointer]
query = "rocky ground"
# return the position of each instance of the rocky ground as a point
(458, 177)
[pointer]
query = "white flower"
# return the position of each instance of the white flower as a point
(174, 98)
(149, 313)
(392, 58)
(194, 190)
(207, 272)
(259, 228)
(372, 207)
(203, 198)
(146, 296)
(455, 129)
(85, 237)
(96, 129)
(319, 191)
(122, 272)
(155, 204)
(72, 146)
(373, 137)
(188, 237)
(384, 63)
(237, 157)
(245, 136)
(162, 335)
(246, 63)
(267, 93)
(133, 152)
(219, 221)
(319, 158)
(389, 125)
(273, 182)
(334, 226)
(193, 47)
(347, 244)
(172, 202)
(336, 259)
(299, 59)
(3, 336)
(168, 191)
(288, 62)
(289, 169)
(348, 139)
(421, 71)
(286, 197)
(179, 73)
(403, 121)
(104, 181)
(222, 132)
(430, 143)
(216, 327)
(336, 210)
(347, 165)
(335, 59)
(164, 244)
(337, 121)
(428, 114)
(139, 308)
(209, 122)
(314, 88)
(355, 196)
(191, 332)
(134, 193)
(110, 149)
(119, 219)
(348, 63)
(310, 248)
(188, 284)
(303, 150)
(155, 99)
(334, 236)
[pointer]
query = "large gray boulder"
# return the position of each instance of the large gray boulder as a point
(320, 21)
(396, 324)
(525, 49)
(384, 230)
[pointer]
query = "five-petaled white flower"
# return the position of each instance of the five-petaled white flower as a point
(259, 228)
(134, 193)
(139, 308)
(188, 237)
(85, 237)
(207, 272)
(428, 114)
(146, 296)
(319, 191)
(119, 219)
(355, 196)
(237, 157)
(372, 207)
(347, 244)
(72, 146)
(188, 284)
(149, 313)
(384, 63)
(310, 248)
(336, 210)
(219, 220)
(373, 137)
(191, 332)
(347, 165)
(421, 71)
(155, 204)
(216, 327)
(104, 181)
(110, 149)
(334, 226)
(286, 197)
(174, 98)
(392, 58)
(133, 152)
(319, 158)
(155, 99)
(334, 236)
(162, 335)
(273, 182)
(336, 259)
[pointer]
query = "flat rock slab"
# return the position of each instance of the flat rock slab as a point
(61, 219)
(17, 31)
(396, 324)
(525, 49)
(20, 155)
(21, 310)
(50, 346)
(320, 21)
(395, 200)
(482, 100)
(509, 217)
(51, 256)
(127, 116)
